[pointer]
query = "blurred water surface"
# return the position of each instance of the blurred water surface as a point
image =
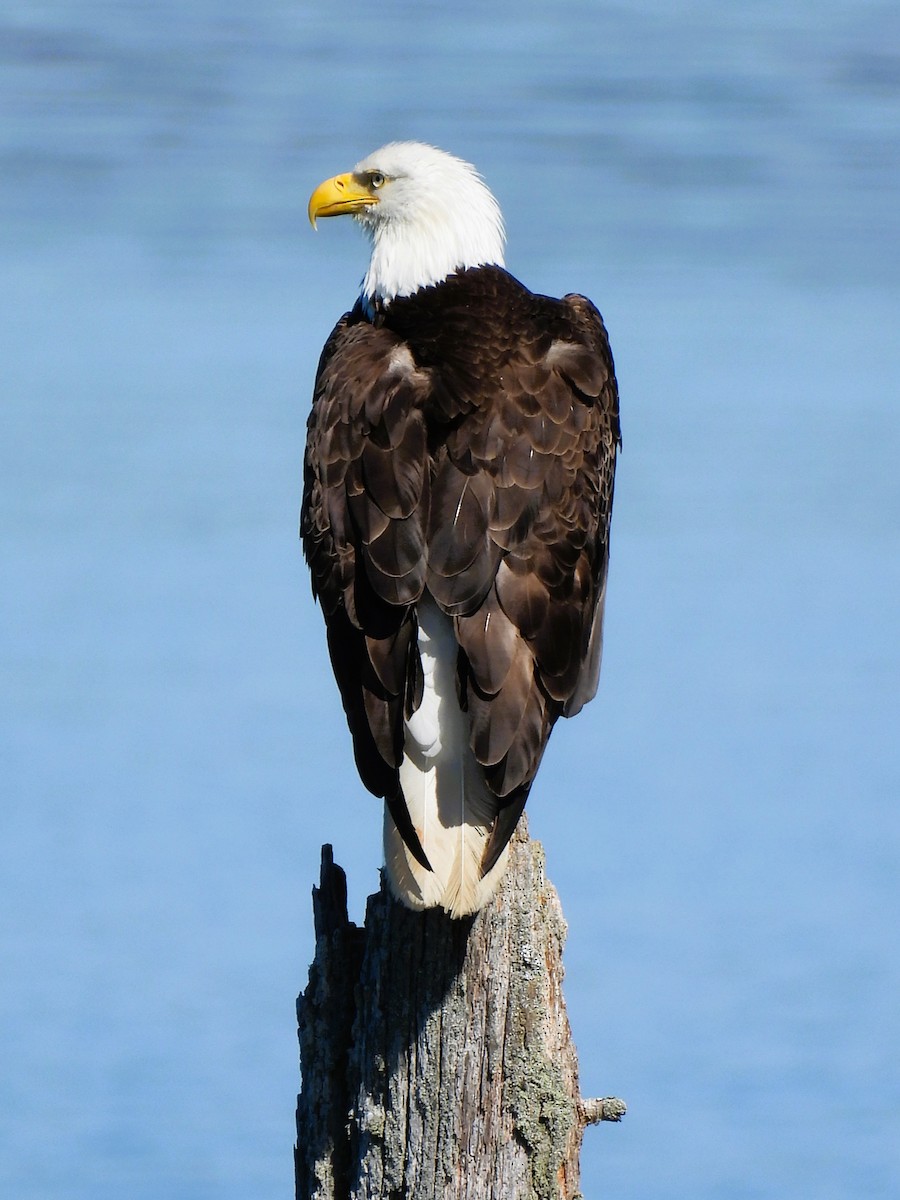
(722, 823)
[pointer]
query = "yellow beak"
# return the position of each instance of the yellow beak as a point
(338, 196)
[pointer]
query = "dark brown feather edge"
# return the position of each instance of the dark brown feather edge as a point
(396, 806)
(504, 827)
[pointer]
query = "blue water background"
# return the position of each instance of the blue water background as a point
(722, 823)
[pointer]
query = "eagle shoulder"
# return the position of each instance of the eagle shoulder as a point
(366, 482)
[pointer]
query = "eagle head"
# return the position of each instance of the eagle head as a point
(427, 214)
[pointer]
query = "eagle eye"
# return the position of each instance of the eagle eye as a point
(376, 179)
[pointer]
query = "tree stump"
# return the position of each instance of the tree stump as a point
(437, 1058)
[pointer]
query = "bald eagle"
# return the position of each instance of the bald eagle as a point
(458, 486)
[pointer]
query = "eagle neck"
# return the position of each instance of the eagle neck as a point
(405, 260)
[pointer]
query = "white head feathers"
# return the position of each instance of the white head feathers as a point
(435, 215)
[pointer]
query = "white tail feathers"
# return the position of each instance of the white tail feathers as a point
(453, 830)
(451, 807)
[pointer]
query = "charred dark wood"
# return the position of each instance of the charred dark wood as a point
(437, 1057)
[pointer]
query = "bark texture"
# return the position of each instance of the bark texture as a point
(437, 1057)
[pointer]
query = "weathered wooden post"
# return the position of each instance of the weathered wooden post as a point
(437, 1057)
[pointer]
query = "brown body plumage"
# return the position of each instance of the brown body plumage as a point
(460, 456)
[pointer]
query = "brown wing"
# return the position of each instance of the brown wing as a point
(363, 521)
(467, 443)
(520, 516)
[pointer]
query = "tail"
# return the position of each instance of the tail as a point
(450, 805)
